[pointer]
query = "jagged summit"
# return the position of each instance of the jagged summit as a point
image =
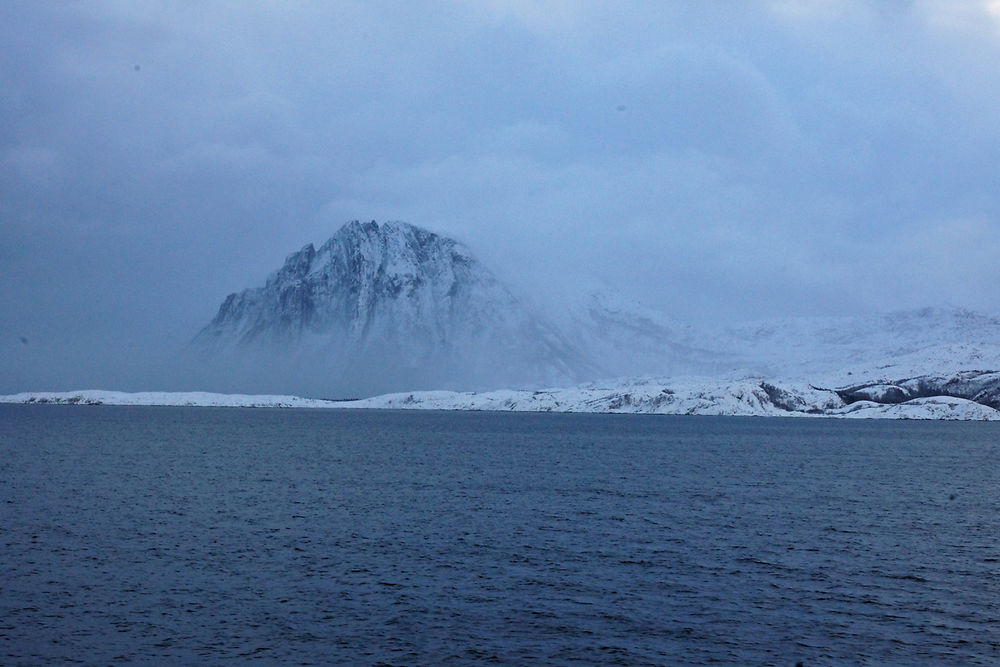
(391, 306)
(346, 281)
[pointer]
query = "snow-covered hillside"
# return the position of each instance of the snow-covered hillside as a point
(844, 350)
(968, 396)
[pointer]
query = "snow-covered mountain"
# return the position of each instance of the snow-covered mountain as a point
(630, 339)
(383, 307)
(391, 307)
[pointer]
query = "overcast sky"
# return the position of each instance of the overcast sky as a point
(715, 159)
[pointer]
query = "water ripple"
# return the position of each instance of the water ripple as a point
(204, 536)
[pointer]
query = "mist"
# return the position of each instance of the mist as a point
(716, 162)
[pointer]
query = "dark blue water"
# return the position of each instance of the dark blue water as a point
(200, 536)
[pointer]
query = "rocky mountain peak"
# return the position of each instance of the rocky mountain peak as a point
(395, 303)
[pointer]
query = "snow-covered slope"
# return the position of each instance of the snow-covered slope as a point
(625, 338)
(383, 307)
(843, 350)
(630, 339)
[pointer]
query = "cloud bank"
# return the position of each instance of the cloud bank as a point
(717, 161)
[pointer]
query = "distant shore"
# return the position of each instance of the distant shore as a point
(690, 396)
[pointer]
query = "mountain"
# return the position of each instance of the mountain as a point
(392, 307)
(382, 307)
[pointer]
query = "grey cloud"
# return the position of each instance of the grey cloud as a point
(769, 159)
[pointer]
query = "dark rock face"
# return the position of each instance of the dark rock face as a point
(978, 386)
(787, 400)
(383, 308)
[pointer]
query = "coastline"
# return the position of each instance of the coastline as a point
(687, 396)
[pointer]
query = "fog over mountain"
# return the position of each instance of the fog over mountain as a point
(384, 308)
(715, 162)
(391, 307)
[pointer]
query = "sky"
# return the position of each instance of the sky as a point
(719, 161)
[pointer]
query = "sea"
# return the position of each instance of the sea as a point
(165, 535)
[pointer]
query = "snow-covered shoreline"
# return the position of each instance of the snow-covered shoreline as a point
(164, 398)
(676, 396)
